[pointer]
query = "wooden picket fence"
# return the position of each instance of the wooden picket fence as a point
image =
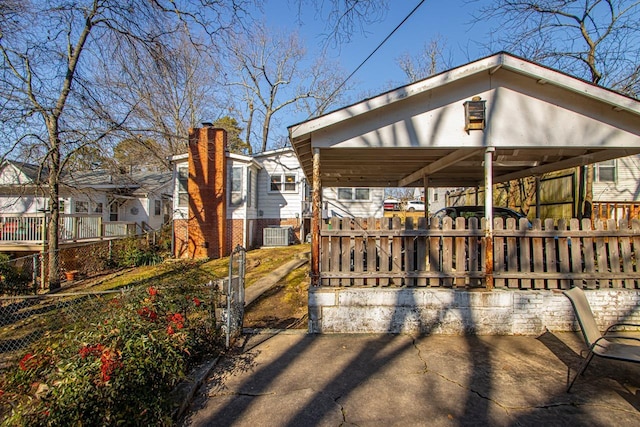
(385, 252)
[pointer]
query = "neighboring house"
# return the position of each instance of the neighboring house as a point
(263, 191)
(140, 197)
(617, 180)
(92, 203)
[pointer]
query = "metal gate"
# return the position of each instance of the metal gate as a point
(233, 290)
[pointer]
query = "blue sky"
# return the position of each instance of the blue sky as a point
(449, 20)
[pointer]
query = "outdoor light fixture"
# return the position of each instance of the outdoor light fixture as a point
(474, 114)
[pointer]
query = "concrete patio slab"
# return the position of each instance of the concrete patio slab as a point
(296, 379)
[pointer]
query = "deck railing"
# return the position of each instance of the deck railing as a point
(31, 228)
(385, 252)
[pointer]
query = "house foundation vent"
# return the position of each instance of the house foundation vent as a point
(276, 236)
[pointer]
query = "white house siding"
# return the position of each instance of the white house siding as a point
(353, 208)
(247, 205)
(279, 204)
(22, 204)
(626, 187)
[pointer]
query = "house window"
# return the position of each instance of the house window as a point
(605, 171)
(236, 186)
(97, 208)
(183, 179)
(157, 207)
(249, 187)
(284, 183)
(350, 194)
(82, 207)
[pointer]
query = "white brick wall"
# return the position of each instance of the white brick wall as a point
(449, 311)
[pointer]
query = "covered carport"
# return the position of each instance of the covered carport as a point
(493, 120)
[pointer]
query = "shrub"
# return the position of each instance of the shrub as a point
(134, 253)
(12, 280)
(116, 368)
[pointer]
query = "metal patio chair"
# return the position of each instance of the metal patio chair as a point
(599, 344)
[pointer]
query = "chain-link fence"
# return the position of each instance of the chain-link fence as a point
(19, 275)
(28, 274)
(26, 319)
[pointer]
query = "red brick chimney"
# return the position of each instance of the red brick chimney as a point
(207, 192)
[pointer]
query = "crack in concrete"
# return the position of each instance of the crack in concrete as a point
(504, 407)
(239, 393)
(477, 393)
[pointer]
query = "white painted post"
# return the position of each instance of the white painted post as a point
(488, 212)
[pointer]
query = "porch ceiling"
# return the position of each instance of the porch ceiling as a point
(455, 167)
(538, 121)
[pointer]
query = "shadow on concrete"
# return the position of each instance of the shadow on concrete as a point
(463, 380)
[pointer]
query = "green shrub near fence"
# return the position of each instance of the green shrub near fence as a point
(118, 365)
(13, 281)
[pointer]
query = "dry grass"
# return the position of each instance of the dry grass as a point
(259, 263)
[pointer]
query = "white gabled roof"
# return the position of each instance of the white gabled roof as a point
(274, 152)
(489, 64)
(537, 120)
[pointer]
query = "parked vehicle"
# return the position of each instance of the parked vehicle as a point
(391, 205)
(476, 211)
(414, 205)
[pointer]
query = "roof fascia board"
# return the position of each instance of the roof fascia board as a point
(574, 84)
(178, 158)
(243, 158)
(272, 152)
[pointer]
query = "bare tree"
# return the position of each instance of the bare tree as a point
(271, 77)
(427, 62)
(176, 93)
(597, 40)
(49, 91)
(343, 18)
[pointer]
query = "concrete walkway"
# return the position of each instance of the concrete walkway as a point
(265, 283)
(295, 379)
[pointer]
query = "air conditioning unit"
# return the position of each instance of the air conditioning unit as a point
(276, 236)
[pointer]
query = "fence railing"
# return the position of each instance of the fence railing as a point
(26, 228)
(385, 252)
(31, 228)
(616, 210)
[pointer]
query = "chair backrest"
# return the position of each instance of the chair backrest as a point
(584, 315)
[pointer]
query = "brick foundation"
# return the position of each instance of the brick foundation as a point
(235, 233)
(450, 311)
(180, 238)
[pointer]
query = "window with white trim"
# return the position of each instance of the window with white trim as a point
(605, 171)
(283, 183)
(157, 207)
(97, 207)
(236, 186)
(183, 193)
(249, 187)
(347, 194)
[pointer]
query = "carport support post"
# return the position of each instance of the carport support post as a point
(488, 214)
(315, 220)
(425, 184)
